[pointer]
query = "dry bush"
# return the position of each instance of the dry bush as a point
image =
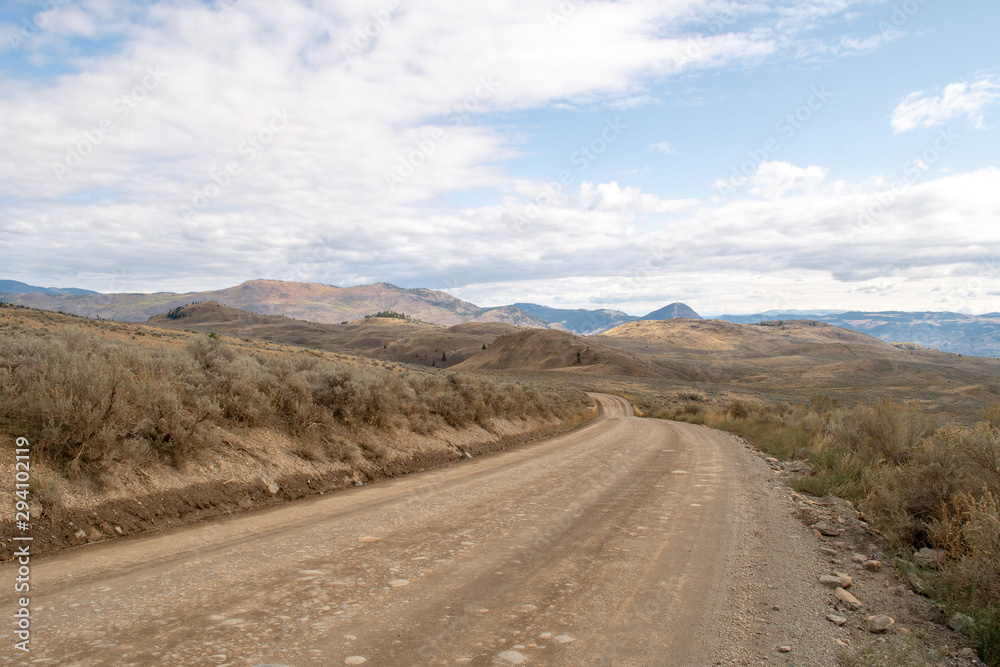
(692, 408)
(886, 431)
(740, 409)
(88, 400)
(952, 462)
(822, 404)
(991, 415)
(85, 400)
(970, 530)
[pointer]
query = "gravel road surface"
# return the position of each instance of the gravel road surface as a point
(625, 542)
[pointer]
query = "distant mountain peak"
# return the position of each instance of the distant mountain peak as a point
(673, 311)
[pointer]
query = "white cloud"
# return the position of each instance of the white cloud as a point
(613, 197)
(662, 147)
(312, 202)
(774, 179)
(923, 109)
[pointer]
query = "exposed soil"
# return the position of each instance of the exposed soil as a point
(254, 470)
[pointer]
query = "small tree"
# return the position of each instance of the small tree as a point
(444, 356)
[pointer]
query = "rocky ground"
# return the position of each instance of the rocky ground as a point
(875, 598)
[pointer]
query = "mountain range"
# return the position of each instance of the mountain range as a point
(306, 301)
(977, 335)
(15, 287)
(589, 322)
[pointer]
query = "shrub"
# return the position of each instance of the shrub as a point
(88, 401)
(887, 430)
(922, 484)
(739, 409)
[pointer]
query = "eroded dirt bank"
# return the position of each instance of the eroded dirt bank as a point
(252, 469)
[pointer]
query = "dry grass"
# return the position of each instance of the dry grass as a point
(88, 396)
(921, 482)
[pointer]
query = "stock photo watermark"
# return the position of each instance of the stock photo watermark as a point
(222, 177)
(913, 171)
(695, 49)
(901, 15)
(584, 156)
(22, 543)
(33, 26)
(786, 127)
(364, 35)
(407, 165)
(121, 108)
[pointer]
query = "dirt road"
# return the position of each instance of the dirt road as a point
(626, 542)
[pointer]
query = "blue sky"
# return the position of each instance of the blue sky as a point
(737, 156)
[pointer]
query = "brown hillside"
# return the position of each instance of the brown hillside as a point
(791, 338)
(803, 357)
(536, 349)
(444, 347)
(393, 339)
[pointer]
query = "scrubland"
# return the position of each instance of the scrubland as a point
(922, 480)
(85, 397)
(123, 418)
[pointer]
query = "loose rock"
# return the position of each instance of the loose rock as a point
(513, 657)
(831, 581)
(825, 529)
(879, 623)
(836, 619)
(848, 599)
(959, 622)
(272, 486)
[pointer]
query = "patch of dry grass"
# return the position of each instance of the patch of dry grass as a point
(86, 396)
(923, 483)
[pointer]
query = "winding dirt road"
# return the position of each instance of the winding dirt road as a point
(625, 542)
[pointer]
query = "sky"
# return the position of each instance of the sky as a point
(736, 156)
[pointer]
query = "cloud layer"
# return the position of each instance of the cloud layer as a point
(188, 146)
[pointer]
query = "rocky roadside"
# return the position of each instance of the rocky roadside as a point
(874, 598)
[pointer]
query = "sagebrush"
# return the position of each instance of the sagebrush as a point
(85, 399)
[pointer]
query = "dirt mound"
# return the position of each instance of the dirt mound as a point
(537, 349)
(444, 347)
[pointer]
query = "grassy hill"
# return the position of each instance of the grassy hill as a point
(536, 349)
(134, 427)
(390, 338)
(789, 360)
